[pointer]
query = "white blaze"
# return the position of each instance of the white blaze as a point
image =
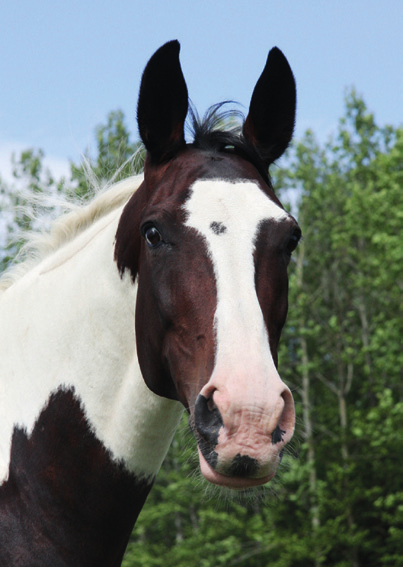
(236, 211)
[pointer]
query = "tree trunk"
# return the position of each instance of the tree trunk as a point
(307, 419)
(344, 388)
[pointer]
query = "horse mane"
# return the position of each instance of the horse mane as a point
(63, 229)
(221, 131)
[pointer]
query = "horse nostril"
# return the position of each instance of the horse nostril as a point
(208, 420)
(277, 435)
(285, 426)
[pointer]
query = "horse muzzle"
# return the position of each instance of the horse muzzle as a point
(241, 441)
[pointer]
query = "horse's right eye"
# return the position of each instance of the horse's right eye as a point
(152, 236)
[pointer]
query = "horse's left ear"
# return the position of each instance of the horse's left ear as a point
(269, 125)
(163, 104)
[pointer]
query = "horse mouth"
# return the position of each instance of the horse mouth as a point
(231, 481)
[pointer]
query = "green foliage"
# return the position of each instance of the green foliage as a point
(343, 333)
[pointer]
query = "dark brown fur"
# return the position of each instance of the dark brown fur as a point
(66, 501)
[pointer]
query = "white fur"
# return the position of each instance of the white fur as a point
(70, 321)
(68, 226)
(244, 365)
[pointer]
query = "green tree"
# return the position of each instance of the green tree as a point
(343, 331)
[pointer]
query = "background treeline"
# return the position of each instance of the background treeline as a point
(338, 498)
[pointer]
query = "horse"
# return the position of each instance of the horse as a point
(166, 292)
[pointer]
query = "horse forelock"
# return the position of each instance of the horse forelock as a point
(221, 131)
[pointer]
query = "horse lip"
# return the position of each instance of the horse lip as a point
(236, 483)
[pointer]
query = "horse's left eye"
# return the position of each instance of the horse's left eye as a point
(293, 241)
(152, 236)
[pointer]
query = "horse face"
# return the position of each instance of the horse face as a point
(212, 299)
(211, 259)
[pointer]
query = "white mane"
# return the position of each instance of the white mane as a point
(68, 226)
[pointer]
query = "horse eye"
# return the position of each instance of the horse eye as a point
(152, 236)
(293, 242)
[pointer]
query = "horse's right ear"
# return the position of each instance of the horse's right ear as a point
(163, 104)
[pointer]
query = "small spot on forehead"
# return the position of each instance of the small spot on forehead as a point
(218, 227)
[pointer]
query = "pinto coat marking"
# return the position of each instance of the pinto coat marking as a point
(169, 292)
(66, 492)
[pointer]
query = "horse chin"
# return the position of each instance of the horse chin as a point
(236, 483)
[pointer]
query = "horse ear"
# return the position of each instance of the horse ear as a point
(163, 104)
(270, 123)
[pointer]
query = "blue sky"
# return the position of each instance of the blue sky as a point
(65, 65)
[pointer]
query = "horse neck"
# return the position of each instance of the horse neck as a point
(67, 328)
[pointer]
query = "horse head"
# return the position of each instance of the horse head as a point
(208, 244)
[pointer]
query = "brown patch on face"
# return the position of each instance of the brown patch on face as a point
(128, 239)
(175, 311)
(176, 292)
(271, 279)
(271, 259)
